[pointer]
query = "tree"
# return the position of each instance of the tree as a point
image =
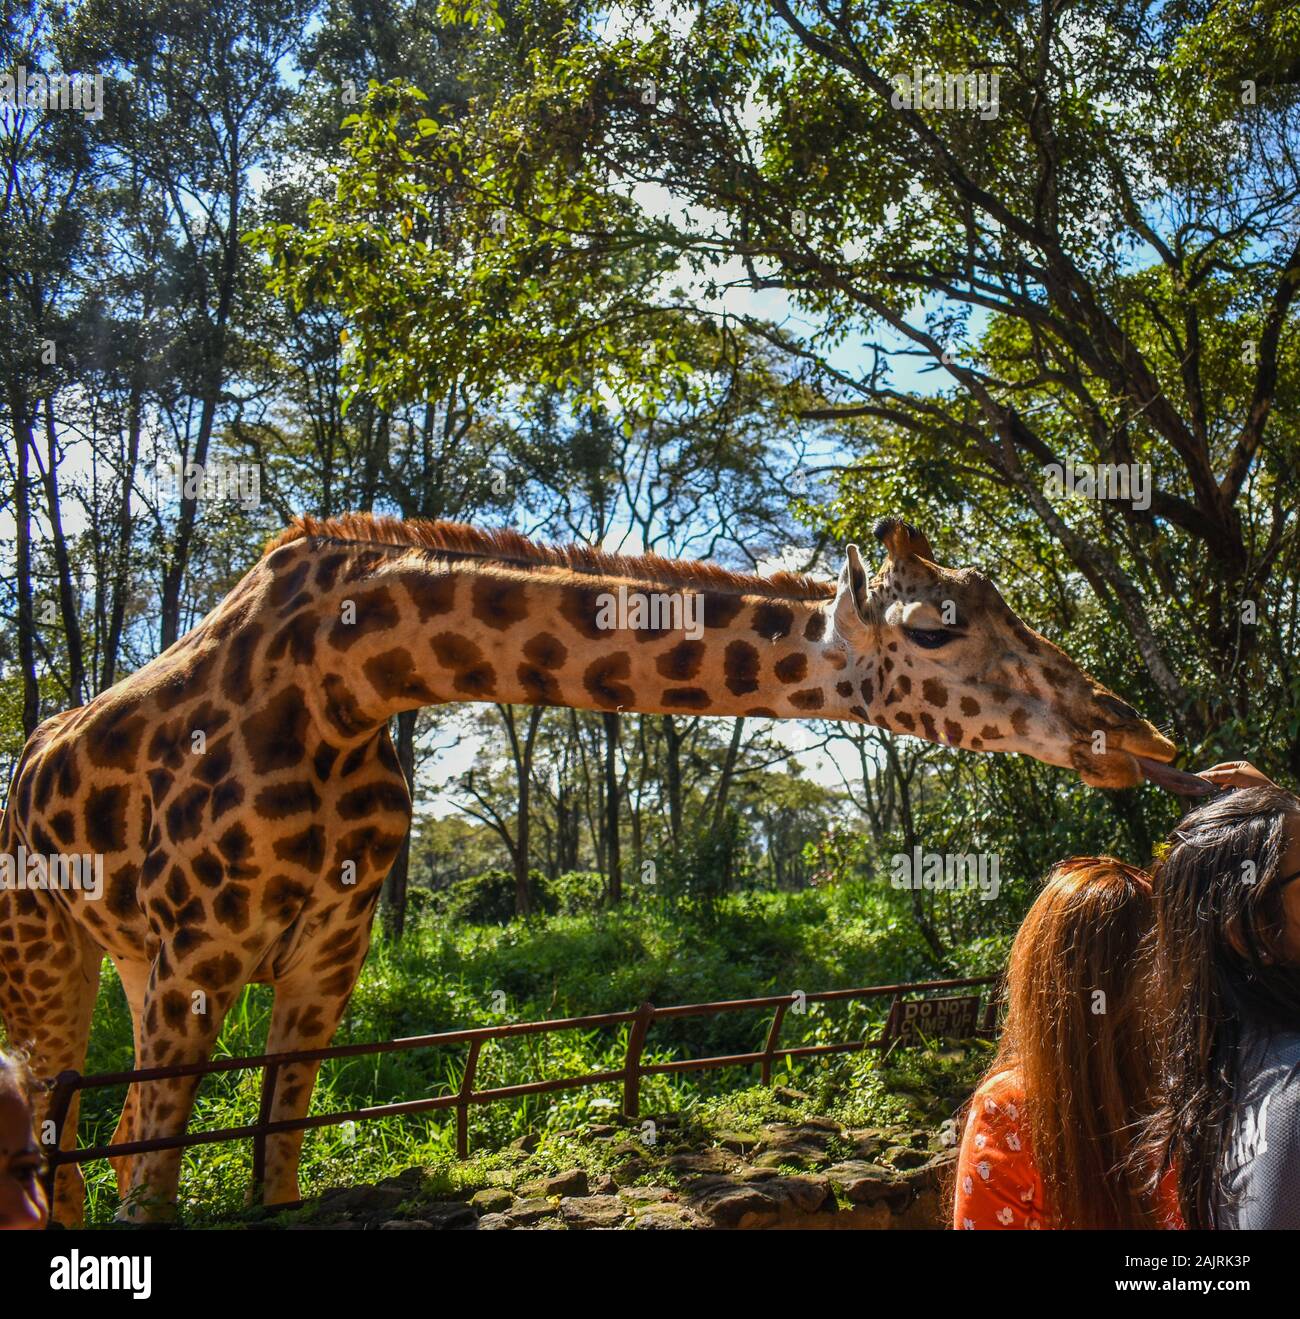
(1093, 281)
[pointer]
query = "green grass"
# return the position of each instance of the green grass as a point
(443, 978)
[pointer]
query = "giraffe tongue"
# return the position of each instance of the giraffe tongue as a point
(1173, 780)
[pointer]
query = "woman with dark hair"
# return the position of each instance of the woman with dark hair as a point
(1227, 983)
(1049, 1136)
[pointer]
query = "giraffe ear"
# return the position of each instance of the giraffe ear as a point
(851, 595)
(902, 540)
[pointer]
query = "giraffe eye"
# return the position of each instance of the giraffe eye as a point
(928, 638)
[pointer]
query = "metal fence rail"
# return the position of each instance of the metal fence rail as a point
(69, 1083)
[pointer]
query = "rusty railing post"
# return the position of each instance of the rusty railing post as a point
(773, 1034)
(270, 1075)
(65, 1086)
(988, 1027)
(632, 1067)
(465, 1094)
(890, 1031)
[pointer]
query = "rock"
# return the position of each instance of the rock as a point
(492, 1200)
(757, 1174)
(788, 1095)
(449, 1214)
(573, 1182)
(592, 1211)
(647, 1195)
(902, 1156)
(365, 1199)
(703, 1162)
(494, 1223)
(928, 1186)
(806, 1194)
(866, 1144)
(603, 1184)
(601, 1130)
(408, 1181)
(801, 1145)
(728, 1205)
(527, 1143)
(627, 1173)
(775, 1202)
(868, 1183)
(530, 1211)
(736, 1141)
(406, 1225)
(806, 1157)
(665, 1218)
(826, 1124)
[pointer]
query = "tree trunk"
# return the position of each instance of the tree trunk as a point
(399, 873)
(673, 775)
(67, 596)
(728, 772)
(611, 720)
(213, 377)
(121, 583)
(23, 565)
(523, 826)
(910, 840)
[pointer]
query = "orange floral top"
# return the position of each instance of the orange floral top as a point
(998, 1184)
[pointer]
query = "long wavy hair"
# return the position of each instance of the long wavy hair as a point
(1076, 1034)
(1219, 965)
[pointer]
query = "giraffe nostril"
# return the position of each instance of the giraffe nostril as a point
(1118, 707)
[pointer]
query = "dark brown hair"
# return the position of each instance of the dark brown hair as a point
(1076, 1035)
(1219, 964)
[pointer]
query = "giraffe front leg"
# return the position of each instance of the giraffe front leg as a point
(309, 1004)
(134, 977)
(185, 1004)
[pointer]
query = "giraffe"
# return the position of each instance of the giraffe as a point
(246, 801)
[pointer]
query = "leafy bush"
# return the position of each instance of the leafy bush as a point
(489, 898)
(574, 892)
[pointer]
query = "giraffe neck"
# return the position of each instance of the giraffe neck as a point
(415, 629)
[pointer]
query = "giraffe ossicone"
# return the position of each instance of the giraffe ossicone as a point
(256, 851)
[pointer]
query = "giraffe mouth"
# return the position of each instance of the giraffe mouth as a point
(1126, 769)
(1173, 780)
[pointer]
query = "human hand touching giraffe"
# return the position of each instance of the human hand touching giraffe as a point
(1236, 774)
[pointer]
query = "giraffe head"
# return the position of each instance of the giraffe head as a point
(946, 659)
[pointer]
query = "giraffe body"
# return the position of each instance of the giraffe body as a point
(247, 802)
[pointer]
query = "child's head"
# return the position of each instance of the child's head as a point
(1227, 958)
(1228, 907)
(22, 1195)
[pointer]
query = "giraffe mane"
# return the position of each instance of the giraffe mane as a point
(511, 547)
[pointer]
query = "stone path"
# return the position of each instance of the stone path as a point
(811, 1174)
